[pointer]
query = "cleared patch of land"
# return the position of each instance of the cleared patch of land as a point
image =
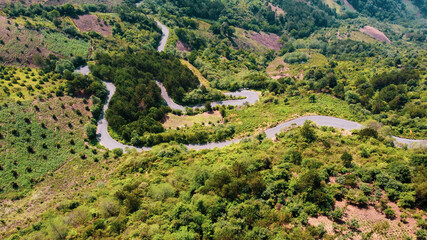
(375, 33)
(38, 137)
(349, 5)
(370, 220)
(174, 121)
(278, 69)
(182, 47)
(334, 5)
(358, 36)
(258, 42)
(270, 40)
(18, 44)
(89, 22)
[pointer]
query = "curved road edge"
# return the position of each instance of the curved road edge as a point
(251, 97)
(107, 141)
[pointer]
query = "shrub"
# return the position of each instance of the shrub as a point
(90, 131)
(109, 208)
(58, 228)
(99, 224)
(392, 194)
(350, 180)
(308, 132)
(421, 234)
(365, 188)
(401, 172)
(117, 152)
(62, 65)
(337, 214)
(361, 199)
(406, 200)
(347, 158)
(381, 227)
(30, 149)
(295, 57)
(389, 213)
(77, 111)
(162, 191)
(368, 132)
(353, 224)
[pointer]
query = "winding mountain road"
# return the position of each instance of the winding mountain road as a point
(107, 141)
(251, 97)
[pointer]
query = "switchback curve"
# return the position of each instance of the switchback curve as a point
(107, 141)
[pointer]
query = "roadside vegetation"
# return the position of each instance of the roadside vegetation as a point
(359, 60)
(260, 189)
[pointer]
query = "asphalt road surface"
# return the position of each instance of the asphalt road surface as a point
(107, 141)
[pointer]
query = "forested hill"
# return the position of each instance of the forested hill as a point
(136, 107)
(381, 9)
(299, 18)
(68, 171)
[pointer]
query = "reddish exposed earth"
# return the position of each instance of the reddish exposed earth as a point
(375, 33)
(369, 220)
(349, 5)
(182, 47)
(88, 22)
(270, 40)
(18, 44)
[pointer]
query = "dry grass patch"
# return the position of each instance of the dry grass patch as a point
(196, 72)
(359, 36)
(278, 69)
(174, 121)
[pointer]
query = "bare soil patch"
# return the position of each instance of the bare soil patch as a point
(19, 45)
(375, 33)
(89, 22)
(349, 5)
(370, 220)
(270, 40)
(182, 47)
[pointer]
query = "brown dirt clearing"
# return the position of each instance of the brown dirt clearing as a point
(370, 220)
(20, 44)
(375, 33)
(182, 47)
(88, 22)
(270, 40)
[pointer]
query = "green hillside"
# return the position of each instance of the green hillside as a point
(67, 174)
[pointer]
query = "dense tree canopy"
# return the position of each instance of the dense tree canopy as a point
(136, 107)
